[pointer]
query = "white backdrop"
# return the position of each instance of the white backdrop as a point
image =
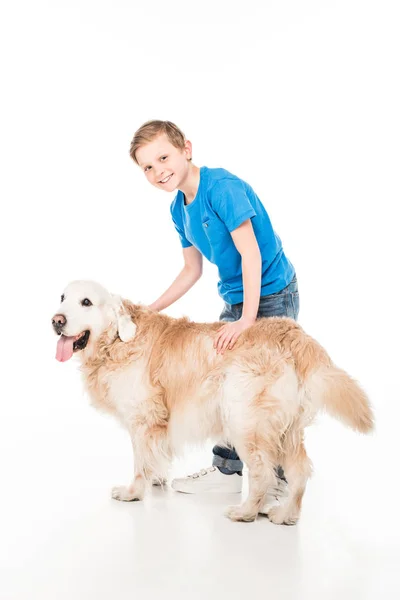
(298, 98)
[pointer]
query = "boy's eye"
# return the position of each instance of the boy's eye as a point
(164, 157)
(146, 169)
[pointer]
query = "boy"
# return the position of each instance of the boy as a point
(219, 216)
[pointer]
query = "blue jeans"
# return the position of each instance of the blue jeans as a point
(282, 304)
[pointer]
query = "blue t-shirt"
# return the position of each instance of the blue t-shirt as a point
(222, 203)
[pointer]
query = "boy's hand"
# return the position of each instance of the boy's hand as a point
(228, 334)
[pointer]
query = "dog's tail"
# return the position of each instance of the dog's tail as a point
(340, 395)
(330, 388)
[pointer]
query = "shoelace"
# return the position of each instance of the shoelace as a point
(202, 472)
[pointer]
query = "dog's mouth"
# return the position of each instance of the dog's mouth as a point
(67, 345)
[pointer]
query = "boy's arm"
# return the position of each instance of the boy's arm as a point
(186, 279)
(246, 244)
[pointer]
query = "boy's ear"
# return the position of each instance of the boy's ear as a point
(125, 326)
(188, 150)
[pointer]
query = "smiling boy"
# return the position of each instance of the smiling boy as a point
(218, 216)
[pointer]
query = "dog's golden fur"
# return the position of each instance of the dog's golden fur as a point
(168, 386)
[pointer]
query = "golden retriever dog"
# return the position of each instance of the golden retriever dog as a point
(164, 381)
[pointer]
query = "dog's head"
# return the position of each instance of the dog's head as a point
(86, 311)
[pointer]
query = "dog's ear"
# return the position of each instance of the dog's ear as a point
(126, 327)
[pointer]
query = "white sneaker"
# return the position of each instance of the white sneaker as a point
(209, 480)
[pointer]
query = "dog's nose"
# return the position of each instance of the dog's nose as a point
(59, 322)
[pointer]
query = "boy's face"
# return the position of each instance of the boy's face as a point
(164, 165)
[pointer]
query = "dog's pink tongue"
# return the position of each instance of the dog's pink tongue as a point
(65, 348)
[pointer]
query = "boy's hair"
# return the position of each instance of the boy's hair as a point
(151, 129)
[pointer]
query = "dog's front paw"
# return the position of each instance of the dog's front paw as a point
(126, 494)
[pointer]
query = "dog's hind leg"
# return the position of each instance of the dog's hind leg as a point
(298, 468)
(260, 457)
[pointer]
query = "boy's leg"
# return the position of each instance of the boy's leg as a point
(227, 460)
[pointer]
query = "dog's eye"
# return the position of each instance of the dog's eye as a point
(86, 302)
(62, 298)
